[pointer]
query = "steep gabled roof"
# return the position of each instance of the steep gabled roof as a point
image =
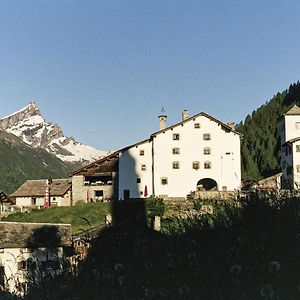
(223, 125)
(115, 155)
(36, 188)
(108, 163)
(294, 111)
(291, 141)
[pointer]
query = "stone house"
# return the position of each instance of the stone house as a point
(30, 252)
(32, 193)
(5, 202)
(96, 181)
(197, 153)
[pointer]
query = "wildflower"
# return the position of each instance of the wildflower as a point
(119, 267)
(171, 263)
(267, 291)
(164, 293)
(235, 269)
(192, 256)
(192, 243)
(274, 266)
(149, 292)
(95, 273)
(121, 280)
(148, 265)
(184, 290)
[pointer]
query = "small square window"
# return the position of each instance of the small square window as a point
(142, 152)
(176, 151)
(298, 168)
(164, 180)
(175, 164)
(176, 136)
(143, 167)
(196, 165)
(206, 137)
(207, 151)
(138, 180)
(297, 148)
(207, 165)
(196, 125)
(224, 188)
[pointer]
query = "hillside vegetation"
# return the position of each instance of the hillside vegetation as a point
(19, 162)
(261, 142)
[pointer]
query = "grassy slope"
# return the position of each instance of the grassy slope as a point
(19, 162)
(82, 217)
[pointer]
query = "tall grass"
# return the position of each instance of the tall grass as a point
(81, 216)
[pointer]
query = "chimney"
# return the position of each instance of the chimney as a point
(162, 122)
(185, 114)
(231, 125)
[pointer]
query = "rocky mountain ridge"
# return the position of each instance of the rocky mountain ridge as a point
(29, 124)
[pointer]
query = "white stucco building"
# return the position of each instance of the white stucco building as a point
(290, 148)
(30, 252)
(198, 153)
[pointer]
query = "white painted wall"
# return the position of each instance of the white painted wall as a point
(225, 168)
(224, 158)
(9, 258)
(130, 168)
(291, 130)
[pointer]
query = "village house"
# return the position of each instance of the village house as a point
(5, 202)
(97, 181)
(32, 193)
(29, 252)
(198, 153)
(290, 148)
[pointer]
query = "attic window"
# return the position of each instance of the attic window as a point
(176, 137)
(297, 148)
(142, 152)
(197, 125)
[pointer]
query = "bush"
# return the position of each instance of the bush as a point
(155, 207)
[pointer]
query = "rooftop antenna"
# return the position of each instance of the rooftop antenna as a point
(162, 110)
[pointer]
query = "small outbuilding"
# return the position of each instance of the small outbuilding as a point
(32, 193)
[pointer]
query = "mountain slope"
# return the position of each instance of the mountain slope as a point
(261, 142)
(30, 126)
(19, 162)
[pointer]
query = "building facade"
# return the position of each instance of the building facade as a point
(32, 193)
(290, 148)
(30, 252)
(198, 153)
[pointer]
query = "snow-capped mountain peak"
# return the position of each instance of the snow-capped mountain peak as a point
(29, 124)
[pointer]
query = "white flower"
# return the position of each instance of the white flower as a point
(149, 292)
(119, 267)
(274, 266)
(235, 269)
(184, 290)
(267, 291)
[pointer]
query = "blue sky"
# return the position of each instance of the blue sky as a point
(103, 70)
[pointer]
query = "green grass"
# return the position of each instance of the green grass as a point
(81, 217)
